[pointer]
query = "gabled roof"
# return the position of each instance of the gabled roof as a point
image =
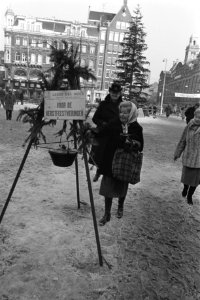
(98, 16)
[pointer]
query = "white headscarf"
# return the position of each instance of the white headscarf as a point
(132, 115)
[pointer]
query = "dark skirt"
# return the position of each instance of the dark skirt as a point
(190, 176)
(112, 188)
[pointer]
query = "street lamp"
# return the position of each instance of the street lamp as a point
(163, 88)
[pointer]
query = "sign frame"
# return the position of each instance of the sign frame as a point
(65, 105)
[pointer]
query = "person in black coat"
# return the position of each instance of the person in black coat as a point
(106, 113)
(111, 187)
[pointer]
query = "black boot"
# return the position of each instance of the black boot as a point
(120, 209)
(190, 193)
(106, 217)
(185, 190)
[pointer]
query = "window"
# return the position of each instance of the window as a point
(48, 44)
(98, 85)
(120, 48)
(91, 64)
(121, 37)
(17, 56)
(33, 43)
(17, 41)
(83, 48)
(7, 56)
(103, 35)
(123, 25)
(101, 50)
(116, 39)
(33, 58)
(83, 33)
(127, 25)
(92, 49)
(25, 43)
(111, 36)
(8, 40)
(107, 73)
(10, 22)
(24, 57)
(118, 25)
(83, 62)
(115, 48)
(39, 59)
(113, 60)
(100, 60)
(47, 59)
(108, 61)
(112, 75)
(99, 72)
(110, 47)
(40, 44)
(106, 85)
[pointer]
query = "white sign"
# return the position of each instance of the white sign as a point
(187, 95)
(64, 105)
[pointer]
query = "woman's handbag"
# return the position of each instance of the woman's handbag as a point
(126, 166)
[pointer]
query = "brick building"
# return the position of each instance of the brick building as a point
(182, 81)
(28, 40)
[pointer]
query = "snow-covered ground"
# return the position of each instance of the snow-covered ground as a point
(48, 248)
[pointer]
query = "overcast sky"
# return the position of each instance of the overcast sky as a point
(168, 23)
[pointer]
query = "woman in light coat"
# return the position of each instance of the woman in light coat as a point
(189, 147)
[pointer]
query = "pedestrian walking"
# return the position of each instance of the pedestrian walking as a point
(107, 111)
(2, 95)
(21, 97)
(154, 111)
(8, 104)
(168, 111)
(123, 133)
(189, 148)
(189, 113)
(182, 113)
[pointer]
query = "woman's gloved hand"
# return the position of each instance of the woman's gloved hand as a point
(131, 145)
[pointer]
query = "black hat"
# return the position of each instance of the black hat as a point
(115, 87)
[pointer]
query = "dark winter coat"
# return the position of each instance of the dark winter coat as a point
(189, 113)
(106, 113)
(9, 101)
(115, 140)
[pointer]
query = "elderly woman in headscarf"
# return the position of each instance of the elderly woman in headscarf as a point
(124, 133)
(189, 147)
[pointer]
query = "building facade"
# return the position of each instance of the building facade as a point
(182, 81)
(28, 40)
(27, 48)
(2, 69)
(111, 33)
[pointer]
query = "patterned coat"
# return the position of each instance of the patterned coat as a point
(189, 146)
